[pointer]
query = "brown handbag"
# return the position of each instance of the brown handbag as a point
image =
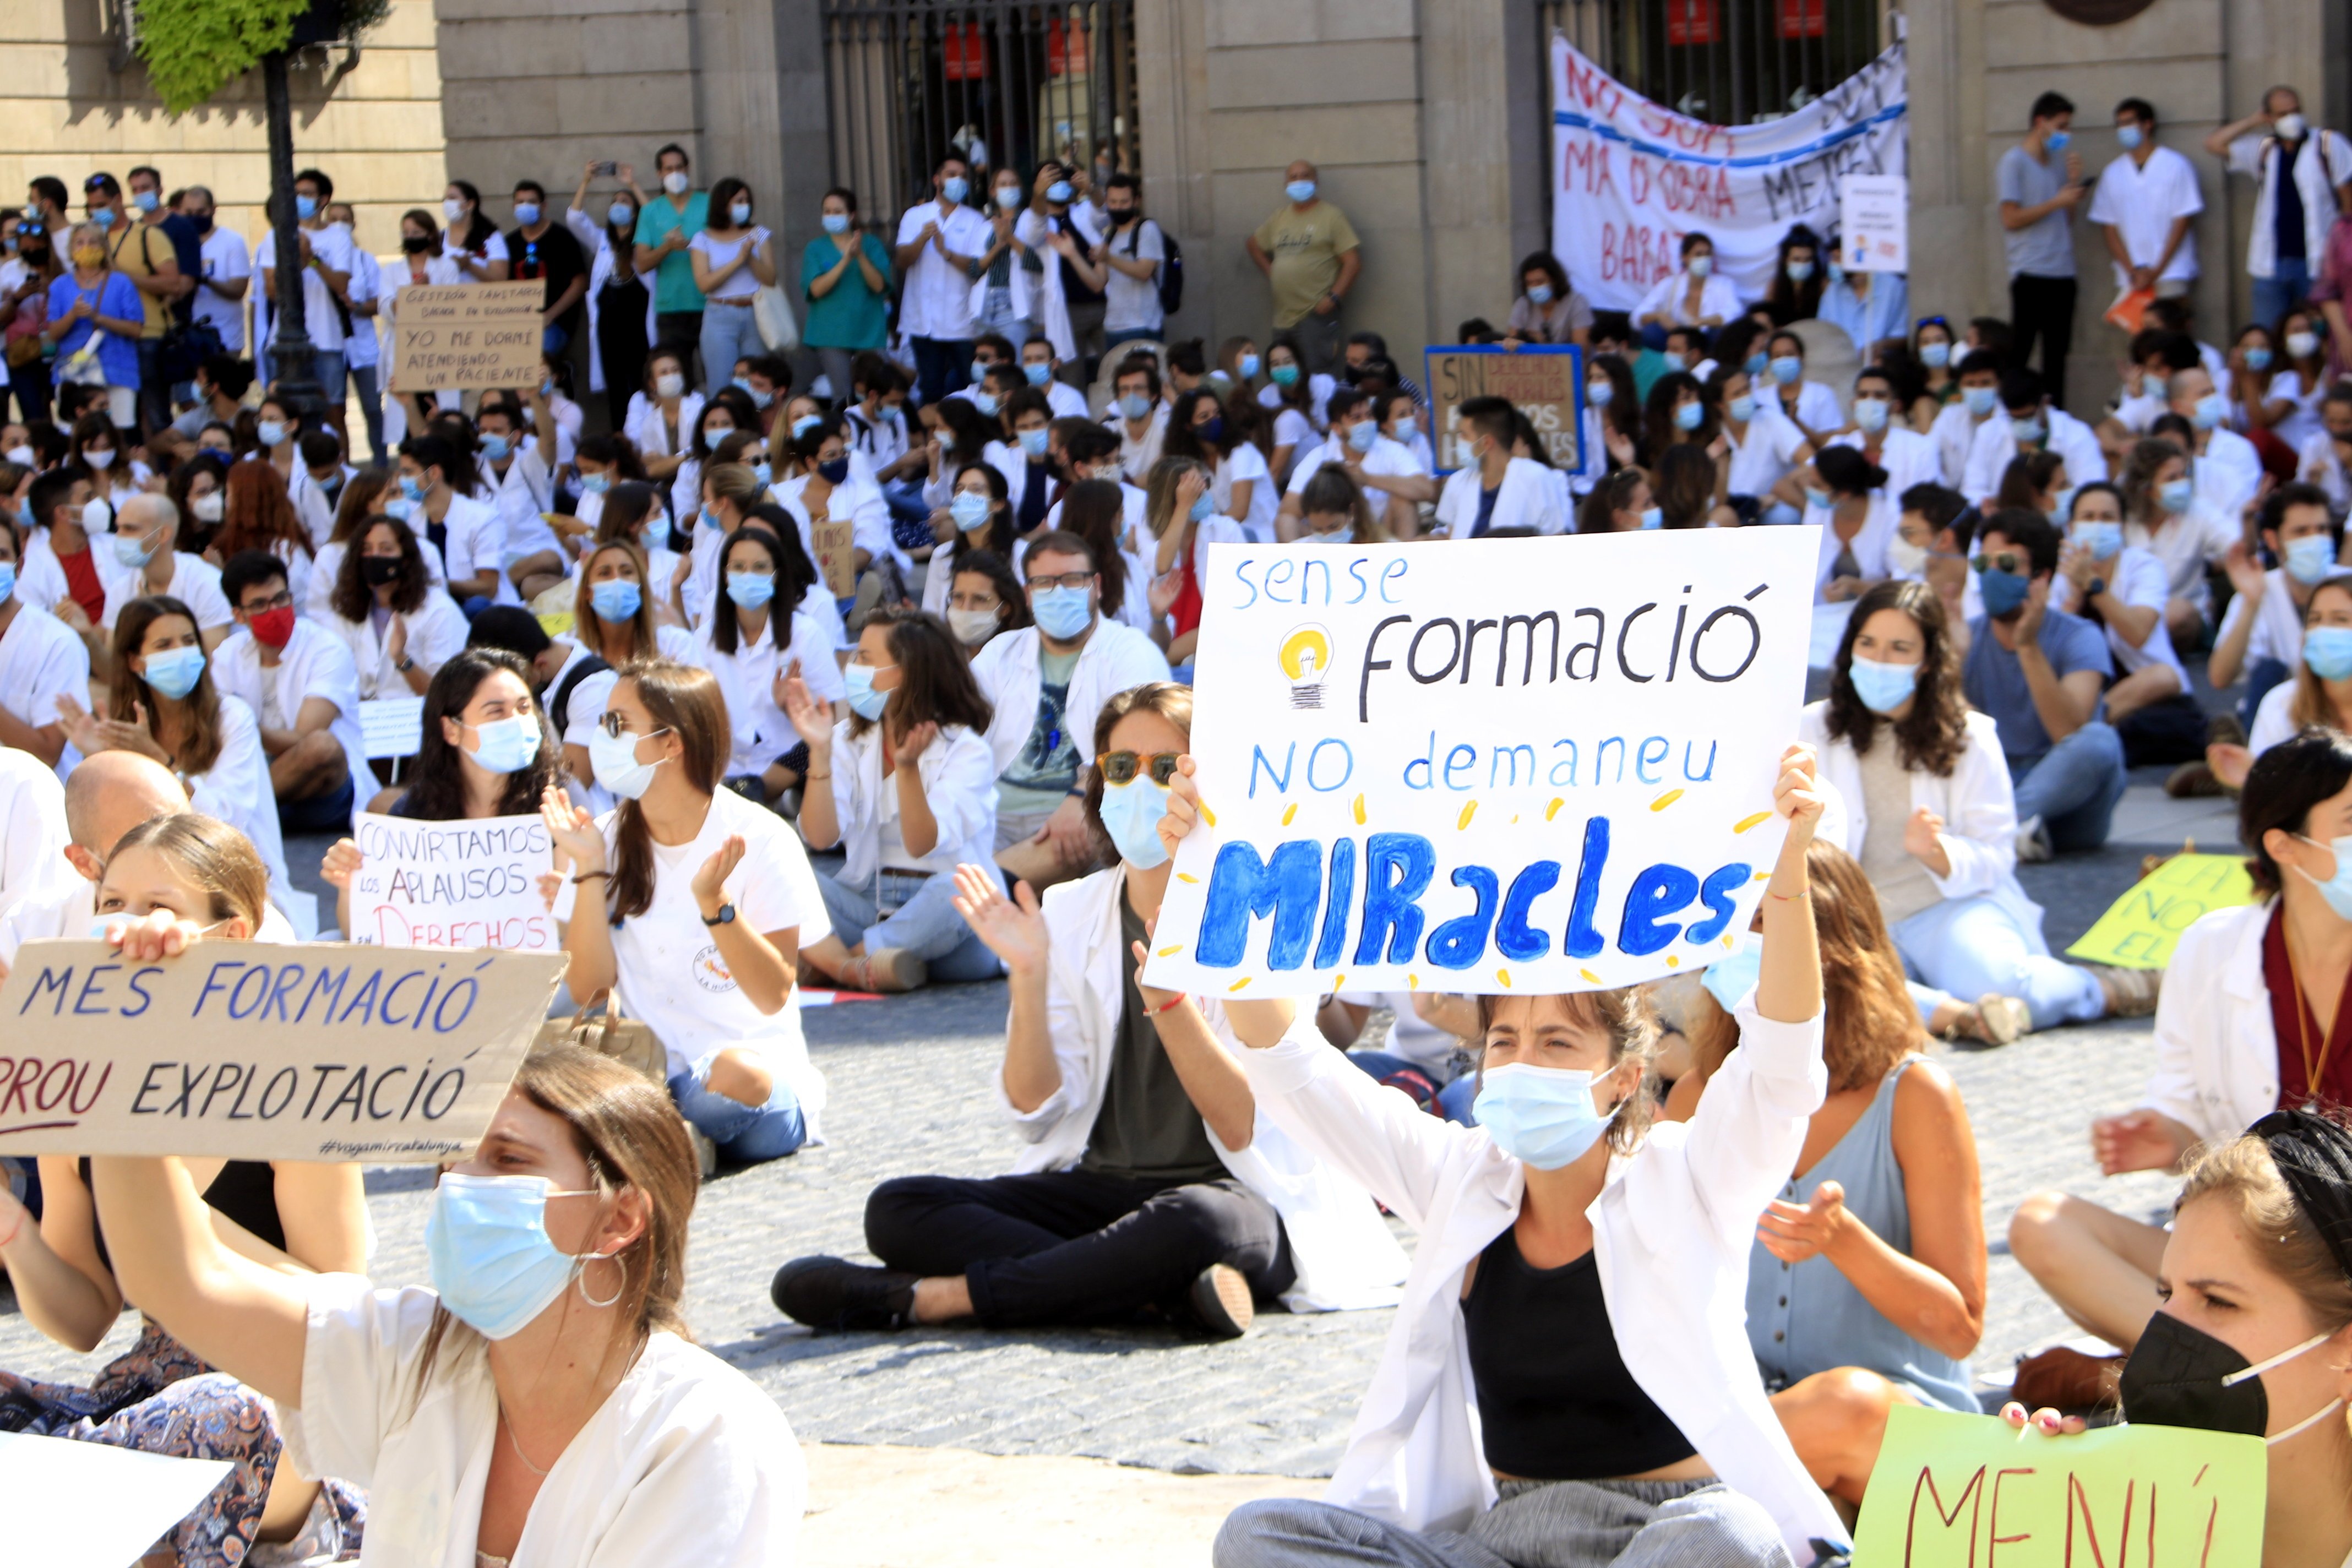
(629, 1041)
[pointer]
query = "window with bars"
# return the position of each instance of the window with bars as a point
(1007, 85)
(1730, 62)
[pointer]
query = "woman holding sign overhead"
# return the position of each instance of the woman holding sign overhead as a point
(1568, 1338)
(299, 1218)
(696, 903)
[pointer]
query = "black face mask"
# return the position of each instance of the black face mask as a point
(1119, 215)
(2179, 1375)
(834, 472)
(204, 222)
(380, 569)
(415, 244)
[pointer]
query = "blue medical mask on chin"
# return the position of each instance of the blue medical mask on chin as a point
(2309, 560)
(614, 759)
(2328, 651)
(864, 700)
(2004, 593)
(491, 1260)
(1883, 687)
(1130, 814)
(1062, 613)
(506, 745)
(1730, 978)
(174, 672)
(616, 599)
(2336, 889)
(1544, 1117)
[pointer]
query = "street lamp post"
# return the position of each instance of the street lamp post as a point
(291, 354)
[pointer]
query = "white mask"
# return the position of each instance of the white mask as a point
(675, 182)
(207, 507)
(669, 384)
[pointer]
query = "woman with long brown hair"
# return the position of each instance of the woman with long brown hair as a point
(1866, 1280)
(912, 796)
(367, 495)
(258, 516)
(694, 904)
(399, 625)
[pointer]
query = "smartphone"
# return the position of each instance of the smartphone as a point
(606, 170)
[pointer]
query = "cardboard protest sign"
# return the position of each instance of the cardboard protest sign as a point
(1874, 223)
(1516, 764)
(257, 1052)
(1543, 381)
(462, 884)
(1949, 1488)
(469, 335)
(835, 555)
(69, 1502)
(2138, 931)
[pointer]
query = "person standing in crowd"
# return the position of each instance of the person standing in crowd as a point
(1547, 310)
(667, 225)
(2040, 673)
(2146, 204)
(1311, 258)
(474, 241)
(2040, 184)
(542, 247)
(141, 250)
(937, 243)
(699, 902)
(1694, 295)
(95, 315)
(1493, 490)
(732, 258)
(1045, 685)
(620, 309)
(323, 253)
(363, 298)
(1130, 255)
(299, 679)
(25, 278)
(846, 277)
(2304, 177)
(1149, 1183)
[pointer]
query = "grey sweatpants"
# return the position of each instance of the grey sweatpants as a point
(1536, 1524)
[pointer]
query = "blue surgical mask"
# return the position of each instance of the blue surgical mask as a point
(1742, 408)
(526, 212)
(1300, 191)
(804, 424)
(1202, 507)
(1362, 434)
(1690, 416)
(146, 201)
(1757, 363)
(1883, 687)
(130, 549)
(1033, 442)
(1038, 373)
(616, 599)
(1130, 814)
(1062, 613)
(269, 432)
(486, 1244)
(2103, 539)
(2328, 651)
(1788, 369)
(2057, 139)
(2174, 495)
(1058, 192)
(835, 222)
(1730, 978)
(2211, 409)
(1934, 356)
(1675, 363)
(306, 208)
(1800, 270)
(2129, 137)
(615, 759)
(1870, 413)
(1008, 196)
(8, 581)
(750, 590)
(1544, 1117)
(104, 216)
(620, 215)
(1835, 273)
(1654, 516)
(2028, 430)
(1597, 394)
(952, 189)
(400, 509)
(1284, 375)
(497, 448)
(594, 484)
(1979, 400)
(411, 488)
(2258, 358)
(2004, 591)
(2309, 560)
(508, 745)
(864, 700)
(970, 508)
(2336, 889)
(763, 472)
(987, 403)
(1135, 405)
(173, 673)
(1540, 294)
(1247, 365)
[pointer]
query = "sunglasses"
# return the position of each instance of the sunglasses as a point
(1120, 767)
(615, 725)
(2006, 561)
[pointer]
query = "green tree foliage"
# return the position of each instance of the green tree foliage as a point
(195, 48)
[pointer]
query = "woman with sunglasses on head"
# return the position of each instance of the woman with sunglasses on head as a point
(1149, 1185)
(541, 1403)
(755, 640)
(688, 902)
(911, 796)
(70, 1269)
(1569, 1336)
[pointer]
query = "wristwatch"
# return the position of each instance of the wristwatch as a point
(725, 916)
(405, 664)
(2097, 586)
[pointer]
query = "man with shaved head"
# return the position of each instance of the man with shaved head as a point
(154, 564)
(106, 796)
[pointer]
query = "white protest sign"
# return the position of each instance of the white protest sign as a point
(458, 884)
(1632, 177)
(257, 1052)
(1519, 765)
(391, 726)
(1874, 223)
(68, 1503)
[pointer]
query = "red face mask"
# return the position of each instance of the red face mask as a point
(273, 628)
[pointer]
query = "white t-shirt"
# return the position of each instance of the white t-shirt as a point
(2303, 421)
(2142, 203)
(937, 300)
(1133, 304)
(1136, 455)
(41, 660)
(739, 286)
(225, 259)
(2138, 578)
(1247, 462)
(1764, 457)
(1388, 458)
(476, 540)
(2274, 717)
(748, 679)
(196, 583)
(332, 246)
(2278, 623)
(362, 348)
(33, 836)
(687, 1461)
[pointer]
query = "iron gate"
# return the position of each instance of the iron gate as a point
(1007, 84)
(1730, 62)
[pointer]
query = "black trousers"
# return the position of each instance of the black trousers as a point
(2043, 307)
(1075, 1246)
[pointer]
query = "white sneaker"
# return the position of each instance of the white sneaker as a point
(2033, 845)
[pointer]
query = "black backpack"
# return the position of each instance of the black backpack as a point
(1171, 281)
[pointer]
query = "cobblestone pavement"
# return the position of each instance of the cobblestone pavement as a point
(909, 1092)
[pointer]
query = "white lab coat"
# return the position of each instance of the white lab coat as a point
(33, 834)
(1114, 658)
(437, 634)
(959, 774)
(1344, 1257)
(2216, 1050)
(1995, 443)
(1670, 1236)
(596, 243)
(1527, 498)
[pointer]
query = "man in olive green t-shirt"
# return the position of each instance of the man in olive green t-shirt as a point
(1307, 251)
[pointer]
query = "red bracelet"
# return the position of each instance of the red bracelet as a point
(1168, 1004)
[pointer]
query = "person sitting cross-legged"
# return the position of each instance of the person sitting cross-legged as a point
(303, 689)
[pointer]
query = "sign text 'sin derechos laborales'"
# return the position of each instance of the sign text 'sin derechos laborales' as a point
(1521, 764)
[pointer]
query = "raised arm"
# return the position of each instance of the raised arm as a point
(1015, 932)
(1789, 986)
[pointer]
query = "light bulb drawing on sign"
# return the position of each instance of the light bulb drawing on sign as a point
(1306, 661)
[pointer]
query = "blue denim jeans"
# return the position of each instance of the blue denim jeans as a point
(924, 922)
(2275, 295)
(730, 333)
(1966, 947)
(941, 365)
(2074, 787)
(743, 1133)
(1454, 1098)
(2261, 674)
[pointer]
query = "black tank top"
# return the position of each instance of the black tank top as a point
(1555, 1400)
(245, 1190)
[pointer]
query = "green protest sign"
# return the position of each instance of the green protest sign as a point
(2138, 932)
(1960, 1491)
